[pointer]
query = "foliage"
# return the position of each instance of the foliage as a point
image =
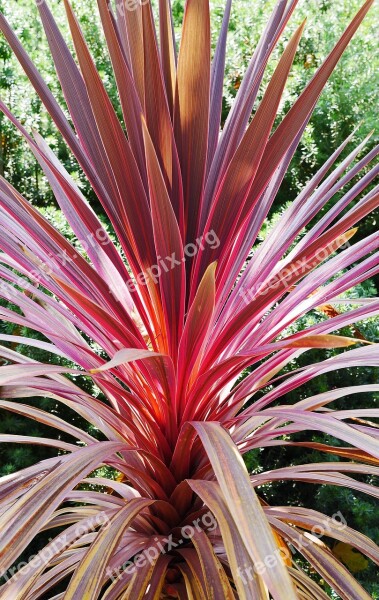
(351, 96)
(164, 321)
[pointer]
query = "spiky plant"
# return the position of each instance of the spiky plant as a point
(166, 320)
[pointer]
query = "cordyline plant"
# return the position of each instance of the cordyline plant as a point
(166, 320)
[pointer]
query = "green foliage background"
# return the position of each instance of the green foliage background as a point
(348, 100)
